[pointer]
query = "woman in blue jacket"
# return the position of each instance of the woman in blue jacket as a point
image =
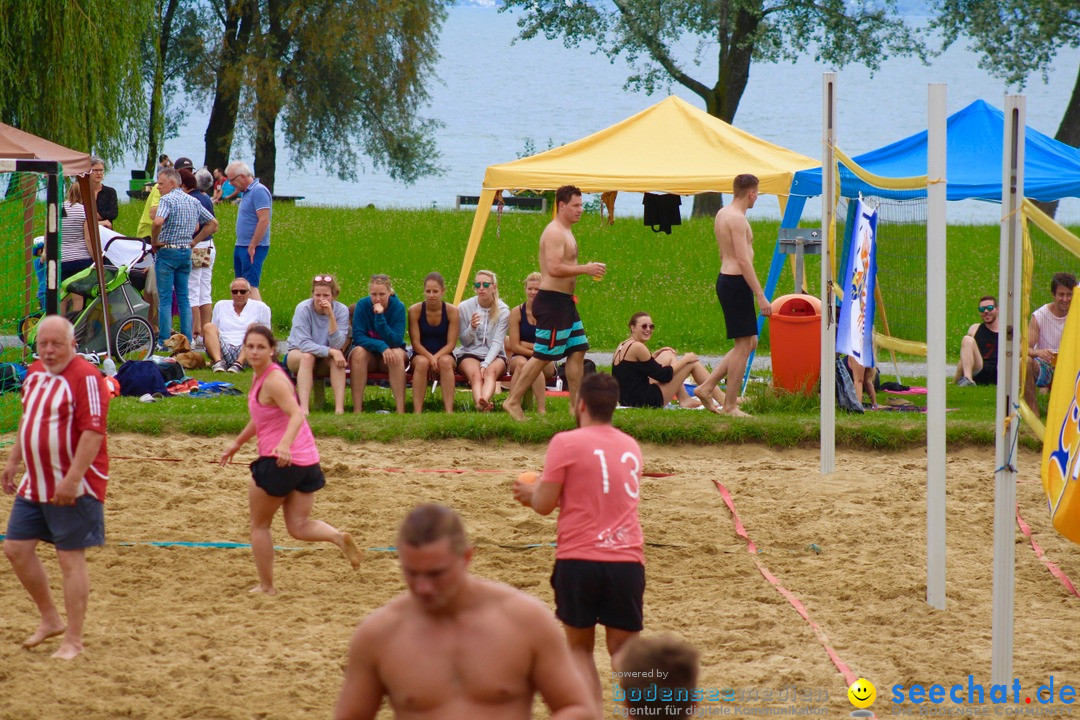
(378, 328)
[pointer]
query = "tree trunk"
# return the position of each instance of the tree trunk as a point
(240, 20)
(156, 124)
(723, 99)
(271, 88)
(1068, 133)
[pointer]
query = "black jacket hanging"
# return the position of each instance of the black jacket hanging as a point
(662, 211)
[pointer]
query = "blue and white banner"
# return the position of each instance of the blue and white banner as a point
(855, 333)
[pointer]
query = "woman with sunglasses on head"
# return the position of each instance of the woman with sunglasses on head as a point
(653, 379)
(484, 320)
(520, 340)
(105, 202)
(317, 342)
(378, 328)
(287, 472)
(433, 332)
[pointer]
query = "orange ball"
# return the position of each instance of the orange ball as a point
(528, 477)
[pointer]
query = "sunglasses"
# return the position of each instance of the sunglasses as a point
(987, 308)
(239, 292)
(479, 285)
(323, 278)
(647, 326)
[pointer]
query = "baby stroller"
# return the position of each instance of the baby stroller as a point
(127, 262)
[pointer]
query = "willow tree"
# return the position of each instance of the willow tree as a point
(70, 71)
(728, 36)
(1017, 39)
(344, 80)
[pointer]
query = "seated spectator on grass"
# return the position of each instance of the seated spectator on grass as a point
(484, 320)
(433, 332)
(224, 334)
(378, 330)
(317, 341)
(649, 379)
(1044, 338)
(520, 338)
(979, 348)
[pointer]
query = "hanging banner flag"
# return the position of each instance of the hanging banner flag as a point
(855, 328)
(1061, 444)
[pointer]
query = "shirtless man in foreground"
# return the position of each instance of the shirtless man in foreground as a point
(736, 287)
(559, 332)
(455, 645)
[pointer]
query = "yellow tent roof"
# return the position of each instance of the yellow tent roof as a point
(670, 147)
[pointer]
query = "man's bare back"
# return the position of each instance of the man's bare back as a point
(731, 223)
(456, 646)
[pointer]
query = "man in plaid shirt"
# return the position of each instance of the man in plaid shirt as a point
(174, 234)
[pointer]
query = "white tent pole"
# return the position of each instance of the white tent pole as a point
(936, 301)
(1008, 390)
(828, 328)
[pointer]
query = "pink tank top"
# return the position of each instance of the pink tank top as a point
(271, 423)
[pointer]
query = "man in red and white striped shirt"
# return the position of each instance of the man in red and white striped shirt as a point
(60, 496)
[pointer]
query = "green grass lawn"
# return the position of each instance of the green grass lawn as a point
(672, 277)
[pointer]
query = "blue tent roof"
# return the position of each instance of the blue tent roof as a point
(1051, 168)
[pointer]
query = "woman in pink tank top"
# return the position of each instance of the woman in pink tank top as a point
(286, 474)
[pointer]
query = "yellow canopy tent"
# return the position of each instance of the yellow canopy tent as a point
(671, 147)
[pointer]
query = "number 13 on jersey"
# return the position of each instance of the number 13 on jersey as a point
(633, 467)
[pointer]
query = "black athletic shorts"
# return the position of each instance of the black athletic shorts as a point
(559, 331)
(986, 376)
(737, 301)
(588, 592)
(280, 481)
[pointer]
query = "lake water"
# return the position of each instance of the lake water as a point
(494, 96)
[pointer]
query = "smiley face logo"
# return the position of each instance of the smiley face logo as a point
(862, 693)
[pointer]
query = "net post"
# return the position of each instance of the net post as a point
(936, 302)
(1008, 389)
(828, 226)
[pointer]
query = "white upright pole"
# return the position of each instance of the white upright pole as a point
(828, 325)
(1008, 390)
(936, 302)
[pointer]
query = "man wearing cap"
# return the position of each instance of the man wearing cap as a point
(175, 232)
(252, 225)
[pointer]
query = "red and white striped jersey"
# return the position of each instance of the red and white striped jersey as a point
(57, 409)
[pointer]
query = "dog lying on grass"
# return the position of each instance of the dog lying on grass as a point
(181, 350)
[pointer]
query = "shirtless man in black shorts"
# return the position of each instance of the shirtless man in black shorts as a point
(736, 287)
(559, 332)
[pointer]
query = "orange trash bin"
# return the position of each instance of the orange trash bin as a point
(795, 343)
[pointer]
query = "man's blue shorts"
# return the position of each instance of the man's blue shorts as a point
(68, 527)
(244, 267)
(1045, 374)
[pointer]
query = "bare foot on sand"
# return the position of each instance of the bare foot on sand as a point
(260, 589)
(352, 553)
(513, 410)
(68, 650)
(705, 398)
(734, 412)
(44, 632)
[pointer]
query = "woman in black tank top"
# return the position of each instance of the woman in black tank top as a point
(520, 339)
(433, 332)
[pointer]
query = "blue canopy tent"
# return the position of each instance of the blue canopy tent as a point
(974, 143)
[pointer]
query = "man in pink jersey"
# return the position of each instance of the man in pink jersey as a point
(60, 496)
(593, 475)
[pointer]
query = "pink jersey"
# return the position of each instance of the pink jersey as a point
(57, 409)
(271, 423)
(599, 469)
